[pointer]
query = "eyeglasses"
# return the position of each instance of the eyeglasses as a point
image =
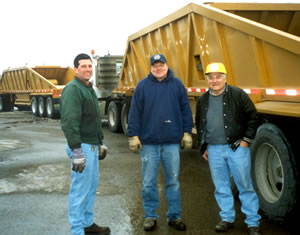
(217, 77)
(158, 66)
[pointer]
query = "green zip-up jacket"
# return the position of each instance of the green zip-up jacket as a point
(80, 115)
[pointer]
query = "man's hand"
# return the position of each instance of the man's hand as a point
(134, 144)
(78, 160)
(186, 141)
(102, 150)
(205, 155)
(244, 144)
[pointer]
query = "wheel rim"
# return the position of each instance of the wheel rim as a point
(112, 117)
(125, 121)
(49, 107)
(269, 173)
(1, 104)
(124, 118)
(41, 107)
(34, 106)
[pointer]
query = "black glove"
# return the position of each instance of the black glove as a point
(78, 160)
(102, 151)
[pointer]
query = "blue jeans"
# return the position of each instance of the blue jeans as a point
(83, 189)
(223, 163)
(151, 156)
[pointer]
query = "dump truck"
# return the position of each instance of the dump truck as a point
(38, 88)
(260, 46)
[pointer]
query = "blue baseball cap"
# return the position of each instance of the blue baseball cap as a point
(156, 58)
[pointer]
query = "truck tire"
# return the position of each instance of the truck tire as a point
(34, 106)
(114, 116)
(22, 108)
(274, 173)
(124, 117)
(5, 103)
(42, 107)
(50, 108)
(1, 104)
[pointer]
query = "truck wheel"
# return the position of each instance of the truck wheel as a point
(50, 108)
(34, 106)
(114, 116)
(124, 117)
(5, 104)
(1, 104)
(41, 107)
(273, 173)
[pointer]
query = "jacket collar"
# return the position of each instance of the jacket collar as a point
(90, 85)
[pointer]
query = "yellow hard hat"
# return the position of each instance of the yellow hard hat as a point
(215, 68)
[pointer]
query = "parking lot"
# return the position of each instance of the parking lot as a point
(35, 176)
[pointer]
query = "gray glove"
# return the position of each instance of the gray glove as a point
(102, 149)
(78, 160)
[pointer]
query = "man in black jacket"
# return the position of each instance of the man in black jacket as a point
(226, 121)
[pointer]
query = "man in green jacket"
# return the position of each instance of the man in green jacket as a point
(81, 124)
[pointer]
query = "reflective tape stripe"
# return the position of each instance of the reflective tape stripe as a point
(286, 92)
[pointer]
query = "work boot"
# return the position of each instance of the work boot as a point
(223, 226)
(254, 231)
(149, 224)
(94, 228)
(177, 224)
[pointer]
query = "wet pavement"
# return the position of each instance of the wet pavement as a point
(35, 176)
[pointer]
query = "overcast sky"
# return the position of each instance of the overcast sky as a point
(53, 32)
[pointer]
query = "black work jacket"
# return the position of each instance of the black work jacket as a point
(240, 117)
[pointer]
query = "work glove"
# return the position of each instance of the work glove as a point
(134, 144)
(102, 150)
(78, 160)
(186, 141)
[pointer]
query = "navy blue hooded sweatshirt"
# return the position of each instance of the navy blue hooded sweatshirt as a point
(160, 111)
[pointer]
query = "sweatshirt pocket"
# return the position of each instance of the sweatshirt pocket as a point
(169, 132)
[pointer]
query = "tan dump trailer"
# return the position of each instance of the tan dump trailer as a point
(38, 88)
(260, 47)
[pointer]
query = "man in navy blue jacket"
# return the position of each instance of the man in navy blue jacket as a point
(160, 119)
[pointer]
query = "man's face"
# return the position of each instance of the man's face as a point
(216, 82)
(159, 70)
(84, 70)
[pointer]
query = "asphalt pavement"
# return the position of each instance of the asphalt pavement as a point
(35, 177)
